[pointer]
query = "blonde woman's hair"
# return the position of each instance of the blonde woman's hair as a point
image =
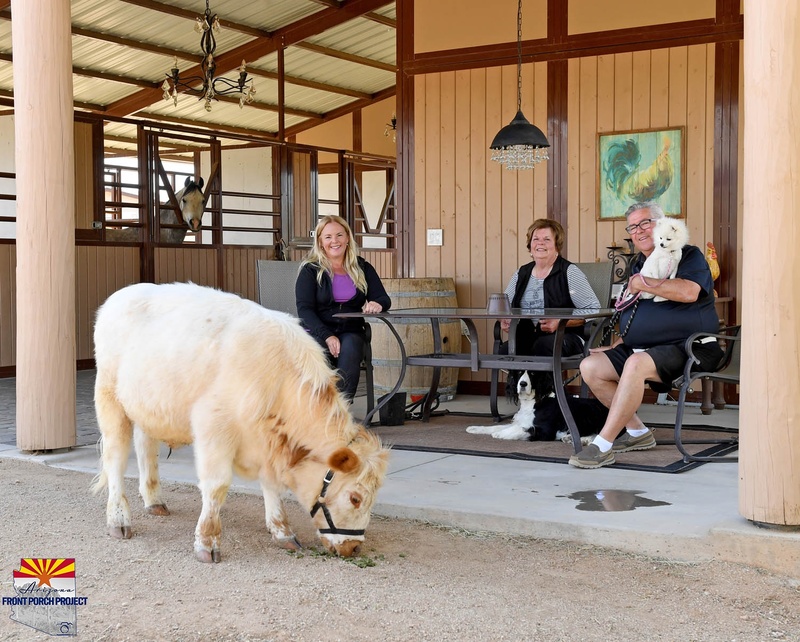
(318, 258)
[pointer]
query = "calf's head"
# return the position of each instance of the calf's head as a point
(341, 500)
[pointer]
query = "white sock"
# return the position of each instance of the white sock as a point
(603, 444)
(638, 432)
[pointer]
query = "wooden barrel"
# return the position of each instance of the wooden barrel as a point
(417, 336)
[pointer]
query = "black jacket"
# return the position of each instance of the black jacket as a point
(316, 307)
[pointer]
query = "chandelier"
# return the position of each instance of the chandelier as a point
(391, 128)
(519, 145)
(208, 86)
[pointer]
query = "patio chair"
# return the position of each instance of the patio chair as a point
(276, 280)
(600, 276)
(727, 372)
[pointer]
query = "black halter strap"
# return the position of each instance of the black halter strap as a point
(320, 504)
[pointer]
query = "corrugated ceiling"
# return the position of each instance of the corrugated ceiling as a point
(131, 44)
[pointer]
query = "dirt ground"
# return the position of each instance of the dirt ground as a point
(413, 581)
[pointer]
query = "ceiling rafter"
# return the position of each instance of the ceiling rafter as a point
(5, 93)
(263, 43)
(343, 55)
(370, 15)
(285, 36)
(343, 111)
(103, 75)
(154, 119)
(183, 55)
(193, 15)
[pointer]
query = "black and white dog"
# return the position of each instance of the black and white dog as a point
(539, 417)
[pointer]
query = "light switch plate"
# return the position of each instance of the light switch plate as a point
(435, 237)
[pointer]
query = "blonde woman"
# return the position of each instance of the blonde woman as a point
(334, 278)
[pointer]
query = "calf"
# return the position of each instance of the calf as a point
(184, 364)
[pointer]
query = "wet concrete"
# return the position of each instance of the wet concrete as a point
(612, 500)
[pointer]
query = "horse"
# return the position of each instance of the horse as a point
(192, 204)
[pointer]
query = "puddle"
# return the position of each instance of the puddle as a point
(610, 501)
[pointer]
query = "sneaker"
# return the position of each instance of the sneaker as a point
(643, 442)
(591, 457)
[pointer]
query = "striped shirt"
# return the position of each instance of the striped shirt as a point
(580, 291)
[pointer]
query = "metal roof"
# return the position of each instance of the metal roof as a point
(123, 49)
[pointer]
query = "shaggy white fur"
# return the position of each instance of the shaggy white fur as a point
(669, 236)
(181, 364)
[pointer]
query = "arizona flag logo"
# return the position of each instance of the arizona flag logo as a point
(57, 574)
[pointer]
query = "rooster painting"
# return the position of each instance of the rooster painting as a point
(640, 166)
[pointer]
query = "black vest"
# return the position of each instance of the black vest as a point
(556, 286)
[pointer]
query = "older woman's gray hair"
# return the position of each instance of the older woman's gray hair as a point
(655, 209)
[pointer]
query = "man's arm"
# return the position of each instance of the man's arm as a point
(680, 290)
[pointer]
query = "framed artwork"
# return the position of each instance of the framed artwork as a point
(641, 165)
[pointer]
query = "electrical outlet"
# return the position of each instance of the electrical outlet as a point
(435, 237)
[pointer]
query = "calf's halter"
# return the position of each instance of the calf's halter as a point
(321, 504)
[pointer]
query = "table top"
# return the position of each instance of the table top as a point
(481, 313)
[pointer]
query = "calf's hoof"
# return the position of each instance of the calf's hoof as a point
(289, 543)
(120, 532)
(157, 509)
(208, 557)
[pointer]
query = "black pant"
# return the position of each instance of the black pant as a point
(348, 363)
(532, 341)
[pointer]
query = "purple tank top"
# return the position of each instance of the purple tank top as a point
(343, 288)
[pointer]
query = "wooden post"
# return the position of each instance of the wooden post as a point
(45, 224)
(769, 456)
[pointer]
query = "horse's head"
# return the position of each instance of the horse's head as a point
(193, 202)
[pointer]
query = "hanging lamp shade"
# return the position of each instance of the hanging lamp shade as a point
(519, 145)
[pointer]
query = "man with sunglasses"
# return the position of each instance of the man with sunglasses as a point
(651, 346)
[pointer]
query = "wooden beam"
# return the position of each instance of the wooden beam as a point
(311, 84)
(577, 46)
(193, 15)
(79, 71)
(186, 55)
(384, 20)
(343, 55)
(260, 47)
(341, 111)
(5, 93)
(214, 127)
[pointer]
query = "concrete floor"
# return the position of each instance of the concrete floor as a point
(687, 516)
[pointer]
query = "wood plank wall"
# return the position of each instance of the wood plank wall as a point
(195, 264)
(8, 304)
(99, 272)
(240, 269)
(384, 262)
(485, 211)
(84, 176)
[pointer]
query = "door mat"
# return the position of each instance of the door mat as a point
(446, 433)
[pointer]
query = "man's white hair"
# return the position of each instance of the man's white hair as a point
(655, 209)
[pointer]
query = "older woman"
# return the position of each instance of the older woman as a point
(332, 279)
(549, 281)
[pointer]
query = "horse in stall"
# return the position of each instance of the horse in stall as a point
(192, 203)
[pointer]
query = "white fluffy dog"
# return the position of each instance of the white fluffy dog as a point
(523, 419)
(669, 236)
